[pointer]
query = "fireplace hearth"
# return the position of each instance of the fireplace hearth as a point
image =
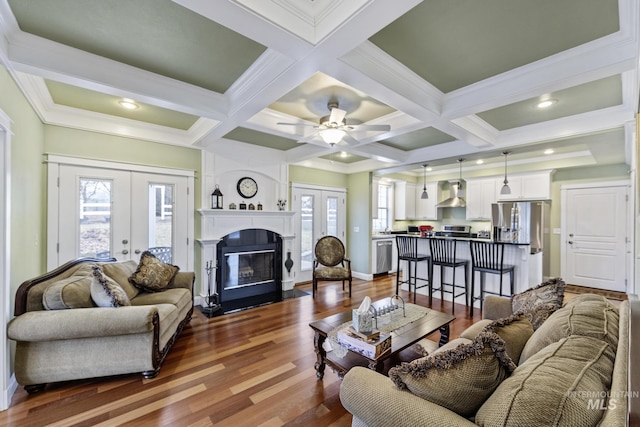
(249, 269)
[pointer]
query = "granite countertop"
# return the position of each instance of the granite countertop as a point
(460, 239)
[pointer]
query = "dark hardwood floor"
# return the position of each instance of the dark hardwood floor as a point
(249, 368)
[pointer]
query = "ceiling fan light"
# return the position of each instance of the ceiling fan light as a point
(332, 136)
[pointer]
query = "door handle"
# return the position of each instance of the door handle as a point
(137, 251)
(570, 242)
(125, 251)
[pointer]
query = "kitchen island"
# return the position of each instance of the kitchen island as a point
(528, 268)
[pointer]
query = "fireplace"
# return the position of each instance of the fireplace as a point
(249, 268)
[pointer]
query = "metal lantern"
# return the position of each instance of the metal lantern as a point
(216, 198)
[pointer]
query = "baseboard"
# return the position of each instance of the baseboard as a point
(362, 276)
(8, 393)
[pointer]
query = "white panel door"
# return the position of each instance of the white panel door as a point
(115, 213)
(319, 213)
(595, 237)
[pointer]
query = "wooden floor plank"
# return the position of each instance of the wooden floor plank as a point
(249, 368)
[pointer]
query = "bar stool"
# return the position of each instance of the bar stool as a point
(408, 251)
(443, 254)
(488, 258)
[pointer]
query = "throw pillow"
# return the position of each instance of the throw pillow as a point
(120, 272)
(554, 387)
(538, 302)
(460, 378)
(586, 315)
(72, 292)
(152, 274)
(105, 291)
(515, 330)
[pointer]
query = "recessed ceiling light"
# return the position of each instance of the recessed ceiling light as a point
(547, 103)
(129, 104)
(343, 154)
(429, 169)
(479, 162)
(548, 151)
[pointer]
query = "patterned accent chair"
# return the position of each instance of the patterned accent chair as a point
(330, 263)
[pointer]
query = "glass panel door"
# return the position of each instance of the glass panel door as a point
(95, 218)
(320, 213)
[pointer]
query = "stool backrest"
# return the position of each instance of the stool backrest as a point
(407, 246)
(487, 255)
(443, 250)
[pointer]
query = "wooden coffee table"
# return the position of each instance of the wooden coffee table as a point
(401, 339)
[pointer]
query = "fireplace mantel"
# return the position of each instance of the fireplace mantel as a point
(217, 223)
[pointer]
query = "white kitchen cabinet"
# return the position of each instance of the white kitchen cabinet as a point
(481, 193)
(529, 186)
(426, 208)
(405, 200)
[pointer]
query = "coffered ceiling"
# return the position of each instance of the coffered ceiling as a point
(450, 78)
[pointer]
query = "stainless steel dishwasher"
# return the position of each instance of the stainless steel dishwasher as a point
(384, 250)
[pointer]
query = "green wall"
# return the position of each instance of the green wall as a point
(313, 176)
(359, 218)
(28, 186)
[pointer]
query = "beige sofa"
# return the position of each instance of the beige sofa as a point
(68, 344)
(528, 395)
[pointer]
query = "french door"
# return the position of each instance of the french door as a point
(105, 212)
(320, 212)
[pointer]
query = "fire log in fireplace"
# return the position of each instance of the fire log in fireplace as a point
(250, 269)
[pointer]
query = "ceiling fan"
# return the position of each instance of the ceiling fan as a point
(334, 128)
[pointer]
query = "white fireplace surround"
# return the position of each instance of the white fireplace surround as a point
(217, 223)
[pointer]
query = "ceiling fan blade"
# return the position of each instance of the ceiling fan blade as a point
(349, 140)
(376, 128)
(308, 137)
(337, 116)
(293, 124)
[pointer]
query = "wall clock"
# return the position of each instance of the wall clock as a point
(247, 187)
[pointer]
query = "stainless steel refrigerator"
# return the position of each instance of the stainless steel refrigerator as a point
(521, 222)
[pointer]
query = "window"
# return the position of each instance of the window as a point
(383, 222)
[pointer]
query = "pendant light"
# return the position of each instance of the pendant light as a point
(425, 195)
(460, 192)
(505, 188)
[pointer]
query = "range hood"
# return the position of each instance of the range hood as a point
(453, 201)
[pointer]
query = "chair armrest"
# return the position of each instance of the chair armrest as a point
(374, 399)
(48, 325)
(495, 307)
(184, 279)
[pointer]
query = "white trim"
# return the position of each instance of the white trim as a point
(79, 161)
(317, 187)
(7, 385)
(597, 184)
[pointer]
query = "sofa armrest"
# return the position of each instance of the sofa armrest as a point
(82, 323)
(495, 307)
(184, 279)
(376, 401)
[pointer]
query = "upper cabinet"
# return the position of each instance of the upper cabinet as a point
(529, 186)
(409, 204)
(481, 193)
(405, 200)
(426, 208)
